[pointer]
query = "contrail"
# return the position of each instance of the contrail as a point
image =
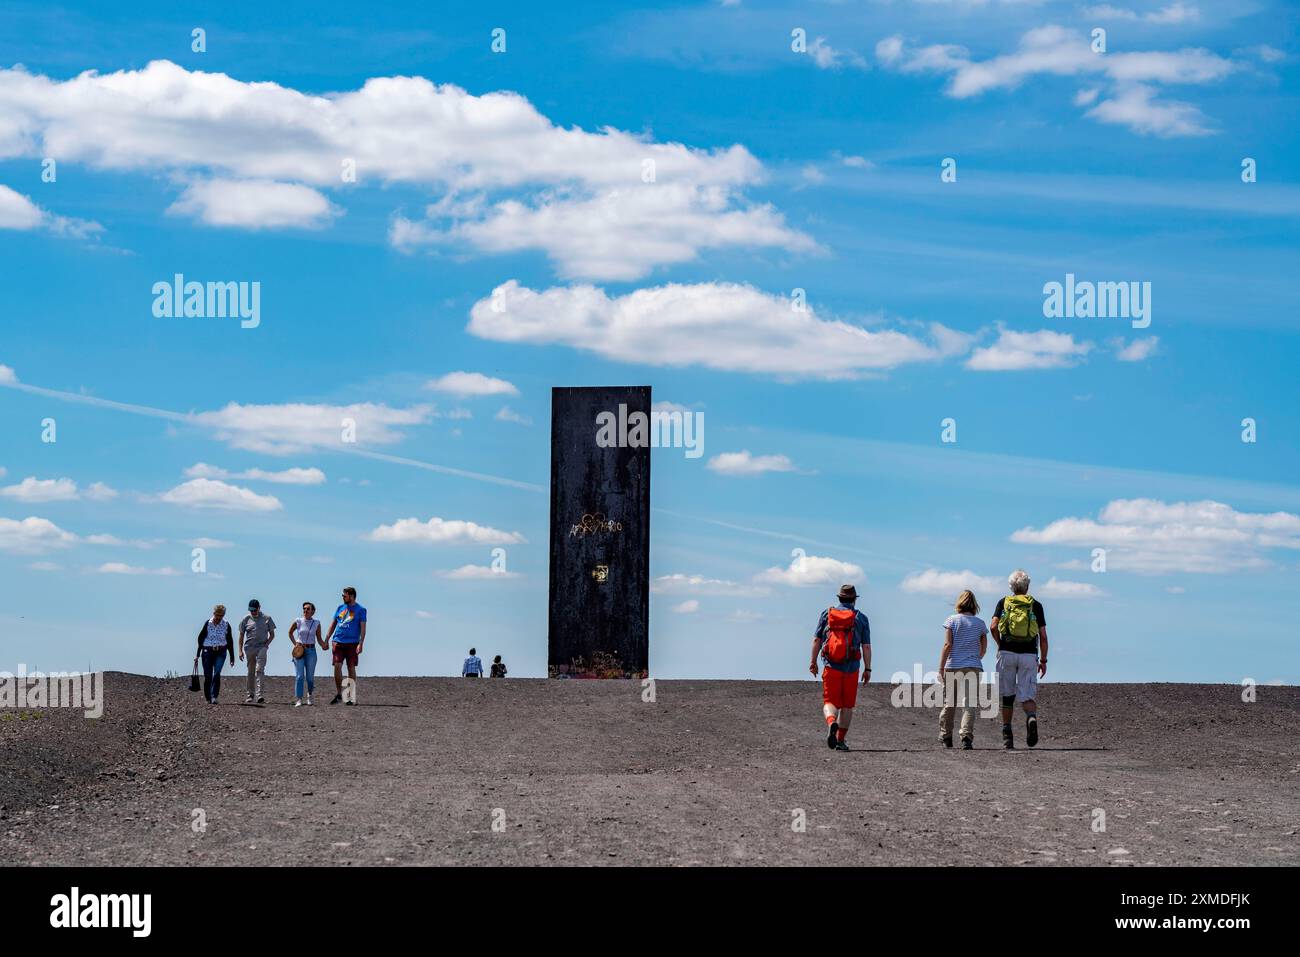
(190, 419)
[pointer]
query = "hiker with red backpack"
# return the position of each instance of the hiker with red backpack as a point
(843, 638)
(1019, 626)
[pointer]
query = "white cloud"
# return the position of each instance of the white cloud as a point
(724, 326)
(99, 492)
(1137, 350)
(1015, 351)
(744, 616)
(1150, 536)
(678, 583)
(934, 581)
(811, 570)
(1137, 108)
(616, 235)
(828, 57)
(1174, 13)
(32, 535)
(255, 204)
(1057, 51)
(19, 213)
(45, 567)
(438, 531)
(743, 463)
(292, 476)
(257, 153)
(466, 385)
(210, 543)
(988, 588)
(295, 428)
(32, 489)
(7, 376)
(210, 493)
(121, 568)
(476, 573)
(507, 414)
(688, 607)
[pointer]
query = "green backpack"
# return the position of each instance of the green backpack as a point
(1018, 619)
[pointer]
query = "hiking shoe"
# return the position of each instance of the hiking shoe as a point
(830, 734)
(248, 699)
(967, 744)
(841, 746)
(1008, 741)
(1031, 730)
(946, 740)
(350, 702)
(337, 699)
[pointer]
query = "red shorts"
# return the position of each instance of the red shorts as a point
(345, 652)
(839, 688)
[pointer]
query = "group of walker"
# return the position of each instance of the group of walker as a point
(1018, 626)
(346, 638)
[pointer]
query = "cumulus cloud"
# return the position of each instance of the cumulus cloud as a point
(1174, 13)
(121, 568)
(293, 476)
(607, 204)
(724, 326)
(1150, 536)
(679, 583)
(1057, 51)
(476, 573)
(1136, 350)
(32, 489)
(688, 607)
(33, 535)
(465, 385)
(254, 204)
(18, 212)
(294, 428)
(811, 570)
(8, 377)
(988, 588)
(743, 463)
(507, 414)
(211, 493)
(1016, 351)
(828, 57)
(439, 531)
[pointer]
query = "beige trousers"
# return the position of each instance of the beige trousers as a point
(961, 686)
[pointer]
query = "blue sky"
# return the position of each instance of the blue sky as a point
(523, 174)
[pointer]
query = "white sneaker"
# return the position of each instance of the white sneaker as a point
(297, 702)
(309, 701)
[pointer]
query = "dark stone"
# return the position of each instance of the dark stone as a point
(599, 622)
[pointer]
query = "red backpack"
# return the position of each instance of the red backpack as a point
(841, 647)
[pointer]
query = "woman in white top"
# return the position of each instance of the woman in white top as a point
(965, 640)
(305, 634)
(216, 641)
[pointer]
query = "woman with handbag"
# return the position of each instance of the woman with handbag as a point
(216, 641)
(304, 635)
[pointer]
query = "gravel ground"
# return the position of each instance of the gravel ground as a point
(585, 772)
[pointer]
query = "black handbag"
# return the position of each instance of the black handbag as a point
(194, 678)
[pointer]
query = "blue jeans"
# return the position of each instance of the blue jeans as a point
(214, 659)
(305, 668)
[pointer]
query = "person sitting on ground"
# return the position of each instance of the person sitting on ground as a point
(473, 666)
(1019, 627)
(216, 641)
(965, 640)
(498, 667)
(843, 637)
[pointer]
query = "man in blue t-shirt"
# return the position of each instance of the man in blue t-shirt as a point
(348, 637)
